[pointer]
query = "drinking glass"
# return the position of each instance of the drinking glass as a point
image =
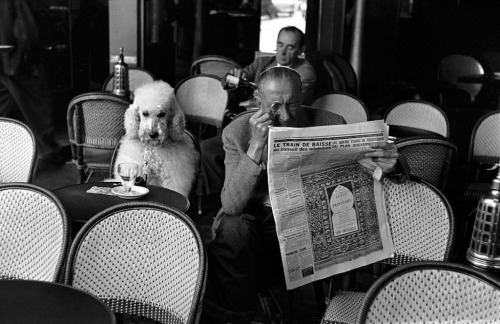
(128, 172)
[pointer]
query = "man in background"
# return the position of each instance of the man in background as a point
(289, 46)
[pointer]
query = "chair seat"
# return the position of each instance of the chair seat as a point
(343, 307)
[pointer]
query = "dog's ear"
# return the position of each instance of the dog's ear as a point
(132, 121)
(176, 122)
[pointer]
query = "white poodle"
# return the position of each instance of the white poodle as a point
(155, 139)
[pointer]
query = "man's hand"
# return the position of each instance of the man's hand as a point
(259, 128)
(382, 154)
(237, 73)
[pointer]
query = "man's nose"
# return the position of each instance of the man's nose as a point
(153, 135)
(283, 113)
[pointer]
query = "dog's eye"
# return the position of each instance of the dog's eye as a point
(162, 114)
(145, 113)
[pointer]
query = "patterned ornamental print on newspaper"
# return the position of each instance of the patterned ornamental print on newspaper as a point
(345, 227)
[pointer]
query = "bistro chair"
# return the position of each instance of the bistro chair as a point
(34, 233)
(348, 106)
(432, 292)
(136, 77)
(95, 126)
(418, 114)
(348, 73)
(18, 151)
(204, 102)
(453, 66)
(422, 227)
(429, 158)
(337, 82)
(484, 151)
(141, 259)
(215, 65)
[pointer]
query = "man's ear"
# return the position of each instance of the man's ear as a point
(302, 50)
(256, 97)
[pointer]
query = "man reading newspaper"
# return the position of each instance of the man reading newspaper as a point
(245, 249)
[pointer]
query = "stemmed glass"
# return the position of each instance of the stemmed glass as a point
(128, 172)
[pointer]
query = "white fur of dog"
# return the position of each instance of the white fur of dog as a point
(156, 120)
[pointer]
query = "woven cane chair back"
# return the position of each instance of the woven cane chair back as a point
(34, 233)
(351, 108)
(143, 259)
(485, 141)
(421, 220)
(18, 151)
(429, 158)
(136, 78)
(215, 65)
(422, 227)
(432, 292)
(95, 126)
(453, 66)
(419, 114)
(202, 99)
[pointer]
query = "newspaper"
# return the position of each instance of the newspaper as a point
(329, 209)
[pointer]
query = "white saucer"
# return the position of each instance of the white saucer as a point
(136, 192)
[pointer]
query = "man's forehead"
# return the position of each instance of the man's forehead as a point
(288, 34)
(279, 87)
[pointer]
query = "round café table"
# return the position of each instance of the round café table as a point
(81, 206)
(29, 301)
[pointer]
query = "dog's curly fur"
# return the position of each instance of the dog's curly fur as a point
(155, 119)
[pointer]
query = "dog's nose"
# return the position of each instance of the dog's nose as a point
(153, 135)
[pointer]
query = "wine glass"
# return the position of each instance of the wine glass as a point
(128, 172)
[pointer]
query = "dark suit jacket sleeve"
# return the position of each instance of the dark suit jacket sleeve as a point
(242, 173)
(258, 66)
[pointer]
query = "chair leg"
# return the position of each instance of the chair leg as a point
(199, 192)
(320, 297)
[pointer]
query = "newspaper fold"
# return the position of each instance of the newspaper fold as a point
(329, 210)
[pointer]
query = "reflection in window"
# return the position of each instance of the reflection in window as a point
(276, 14)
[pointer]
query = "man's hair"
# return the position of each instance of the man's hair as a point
(280, 73)
(293, 29)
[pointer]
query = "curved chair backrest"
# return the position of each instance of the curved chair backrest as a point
(421, 221)
(452, 66)
(202, 99)
(419, 114)
(337, 80)
(18, 151)
(136, 77)
(215, 65)
(484, 145)
(34, 233)
(351, 80)
(141, 258)
(95, 126)
(429, 158)
(351, 108)
(432, 292)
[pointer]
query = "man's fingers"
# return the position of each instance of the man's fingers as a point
(382, 154)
